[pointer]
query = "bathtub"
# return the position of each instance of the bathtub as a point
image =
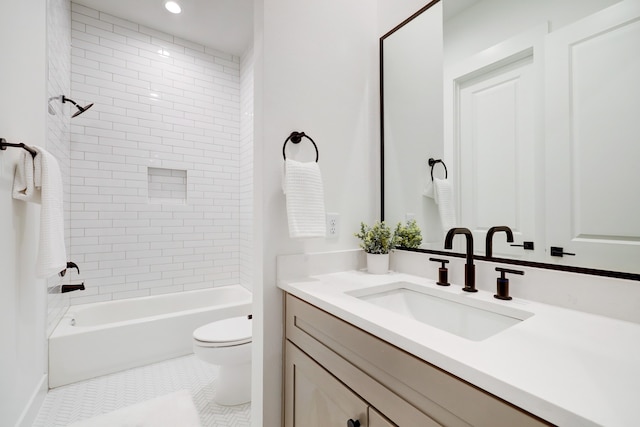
(105, 337)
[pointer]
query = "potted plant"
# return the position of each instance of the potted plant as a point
(408, 235)
(376, 241)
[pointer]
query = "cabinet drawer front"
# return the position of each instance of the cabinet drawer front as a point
(377, 420)
(317, 399)
(445, 398)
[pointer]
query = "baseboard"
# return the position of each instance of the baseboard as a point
(35, 402)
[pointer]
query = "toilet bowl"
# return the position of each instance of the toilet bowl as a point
(227, 343)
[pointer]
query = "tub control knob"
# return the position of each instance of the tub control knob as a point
(353, 423)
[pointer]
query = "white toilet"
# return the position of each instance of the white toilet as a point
(227, 343)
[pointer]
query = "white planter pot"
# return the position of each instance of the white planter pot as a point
(378, 263)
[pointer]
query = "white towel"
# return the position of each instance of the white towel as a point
(38, 180)
(23, 180)
(302, 185)
(443, 196)
(427, 190)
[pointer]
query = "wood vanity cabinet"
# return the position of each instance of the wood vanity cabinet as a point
(335, 372)
(320, 399)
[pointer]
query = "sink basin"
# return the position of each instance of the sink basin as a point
(461, 315)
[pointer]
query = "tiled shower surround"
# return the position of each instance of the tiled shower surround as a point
(163, 106)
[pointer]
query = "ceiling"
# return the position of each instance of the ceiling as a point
(226, 25)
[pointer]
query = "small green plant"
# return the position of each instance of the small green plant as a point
(408, 235)
(377, 239)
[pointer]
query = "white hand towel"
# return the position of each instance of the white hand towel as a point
(39, 180)
(443, 196)
(23, 180)
(305, 199)
(427, 190)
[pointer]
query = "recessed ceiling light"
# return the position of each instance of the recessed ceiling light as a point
(172, 6)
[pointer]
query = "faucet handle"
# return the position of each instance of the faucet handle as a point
(70, 264)
(502, 283)
(443, 273)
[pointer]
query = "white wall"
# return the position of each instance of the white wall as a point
(316, 70)
(489, 22)
(246, 170)
(164, 108)
(23, 302)
(392, 12)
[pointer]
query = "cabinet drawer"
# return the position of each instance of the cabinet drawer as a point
(377, 420)
(339, 381)
(443, 397)
(315, 398)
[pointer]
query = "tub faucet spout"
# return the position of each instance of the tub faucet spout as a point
(469, 268)
(69, 288)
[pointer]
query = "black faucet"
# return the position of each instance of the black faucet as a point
(69, 288)
(69, 265)
(469, 268)
(489, 243)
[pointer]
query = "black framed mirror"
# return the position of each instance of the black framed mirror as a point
(434, 64)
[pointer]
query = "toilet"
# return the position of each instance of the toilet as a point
(227, 343)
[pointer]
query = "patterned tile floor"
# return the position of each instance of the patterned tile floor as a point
(87, 399)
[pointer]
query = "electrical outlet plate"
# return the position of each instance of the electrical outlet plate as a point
(333, 225)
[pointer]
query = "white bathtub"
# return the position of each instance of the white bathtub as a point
(101, 338)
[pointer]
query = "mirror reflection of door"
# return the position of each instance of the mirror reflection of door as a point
(493, 124)
(593, 125)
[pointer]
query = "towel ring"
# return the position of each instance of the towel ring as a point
(432, 162)
(296, 137)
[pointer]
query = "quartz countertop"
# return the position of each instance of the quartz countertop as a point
(567, 367)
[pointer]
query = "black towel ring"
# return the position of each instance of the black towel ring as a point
(432, 162)
(296, 137)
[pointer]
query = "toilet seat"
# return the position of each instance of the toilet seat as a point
(224, 333)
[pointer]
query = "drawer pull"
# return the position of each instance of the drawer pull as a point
(353, 423)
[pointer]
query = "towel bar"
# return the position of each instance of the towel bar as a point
(4, 144)
(296, 137)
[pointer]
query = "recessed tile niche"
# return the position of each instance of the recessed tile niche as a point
(167, 186)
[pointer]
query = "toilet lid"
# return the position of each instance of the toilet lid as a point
(232, 331)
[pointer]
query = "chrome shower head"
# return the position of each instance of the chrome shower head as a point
(80, 109)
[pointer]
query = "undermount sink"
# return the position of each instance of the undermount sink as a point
(454, 313)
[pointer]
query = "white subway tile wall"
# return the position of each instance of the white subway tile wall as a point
(161, 103)
(58, 119)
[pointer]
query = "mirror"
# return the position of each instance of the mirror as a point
(532, 107)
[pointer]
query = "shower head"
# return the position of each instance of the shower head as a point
(80, 109)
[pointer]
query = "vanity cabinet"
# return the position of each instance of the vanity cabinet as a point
(335, 372)
(321, 400)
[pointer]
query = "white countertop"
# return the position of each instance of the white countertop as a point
(567, 367)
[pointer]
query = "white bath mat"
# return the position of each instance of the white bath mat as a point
(171, 410)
